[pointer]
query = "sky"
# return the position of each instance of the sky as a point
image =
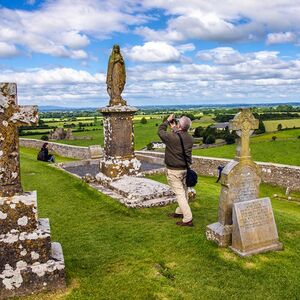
(176, 52)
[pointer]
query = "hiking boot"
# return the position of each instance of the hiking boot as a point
(174, 215)
(188, 224)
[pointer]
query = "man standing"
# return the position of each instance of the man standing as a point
(175, 163)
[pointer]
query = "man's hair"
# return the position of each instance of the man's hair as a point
(185, 123)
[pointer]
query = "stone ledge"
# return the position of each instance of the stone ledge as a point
(27, 279)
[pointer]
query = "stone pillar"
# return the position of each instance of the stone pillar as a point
(29, 262)
(119, 158)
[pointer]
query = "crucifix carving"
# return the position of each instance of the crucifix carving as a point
(11, 117)
(244, 123)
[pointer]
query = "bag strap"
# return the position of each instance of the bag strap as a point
(183, 151)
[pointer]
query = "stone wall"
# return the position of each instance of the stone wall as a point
(63, 149)
(275, 174)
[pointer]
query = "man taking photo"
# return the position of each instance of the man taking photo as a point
(175, 163)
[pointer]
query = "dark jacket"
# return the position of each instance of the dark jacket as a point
(174, 158)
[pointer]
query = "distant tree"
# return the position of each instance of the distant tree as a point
(261, 127)
(274, 137)
(199, 131)
(210, 139)
(44, 138)
(279, 127)
(143, 120)
(230, 138)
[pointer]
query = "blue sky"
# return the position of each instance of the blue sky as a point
(176, 52)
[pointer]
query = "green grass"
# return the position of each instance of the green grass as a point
(113, 252)
(285, 150)
(272, 124)
(282, 152)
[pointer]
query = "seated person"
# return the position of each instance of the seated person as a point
(44, 155)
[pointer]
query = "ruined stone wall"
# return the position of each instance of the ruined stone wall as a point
(62, 149)
(275, 174)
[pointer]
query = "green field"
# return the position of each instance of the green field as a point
(285, 150)
(272, 124)
(113, 252)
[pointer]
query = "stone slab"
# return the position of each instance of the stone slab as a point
(254, 229)
(27, 279)
(135, 191)
(219, 234)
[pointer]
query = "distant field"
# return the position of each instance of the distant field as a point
(279, 151)
(272, 124)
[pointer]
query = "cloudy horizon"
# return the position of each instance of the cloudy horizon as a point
(196, 52)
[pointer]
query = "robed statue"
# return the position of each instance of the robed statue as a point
(116, 77)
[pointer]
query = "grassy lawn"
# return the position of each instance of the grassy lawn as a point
(113, 252)
(272, 124)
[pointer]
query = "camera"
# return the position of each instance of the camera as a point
(174, 121)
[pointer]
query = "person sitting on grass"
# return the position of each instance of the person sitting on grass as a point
(44, 154)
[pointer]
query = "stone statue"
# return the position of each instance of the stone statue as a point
(116, 77)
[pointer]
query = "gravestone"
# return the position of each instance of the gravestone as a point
(240, 179)
(29, 262)
(254, 229)
(119, 157)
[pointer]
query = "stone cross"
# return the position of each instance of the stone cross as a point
(11, 117)
(244, 123)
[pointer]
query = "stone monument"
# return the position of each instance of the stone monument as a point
(29, 262)
(119, 158)
(240, 179)
(61, 134)
(254, 228)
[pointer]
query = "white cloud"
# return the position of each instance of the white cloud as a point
(52, 76)
(226, 20)
(281, 38)
(7, 50)
(60, 27)
(158, 52)
(225, 75)
(221, 56)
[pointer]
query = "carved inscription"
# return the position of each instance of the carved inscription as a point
(246, 185)
(255, 214)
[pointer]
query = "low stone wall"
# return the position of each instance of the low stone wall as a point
(63, 149)
(275, 174)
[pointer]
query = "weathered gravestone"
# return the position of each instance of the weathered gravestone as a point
(254, 229)
(240, 179)
(119, 158)
(29, 262)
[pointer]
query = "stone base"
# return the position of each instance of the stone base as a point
(273, 247)
(28, 279)
(219, 233)
(135, 191)
(117, 167)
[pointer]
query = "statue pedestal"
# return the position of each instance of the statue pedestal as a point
(119, 158)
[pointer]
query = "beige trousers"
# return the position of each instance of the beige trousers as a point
(176, 179)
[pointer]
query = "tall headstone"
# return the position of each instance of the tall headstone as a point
(119, 158)
(240, 179)
(29, 262)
